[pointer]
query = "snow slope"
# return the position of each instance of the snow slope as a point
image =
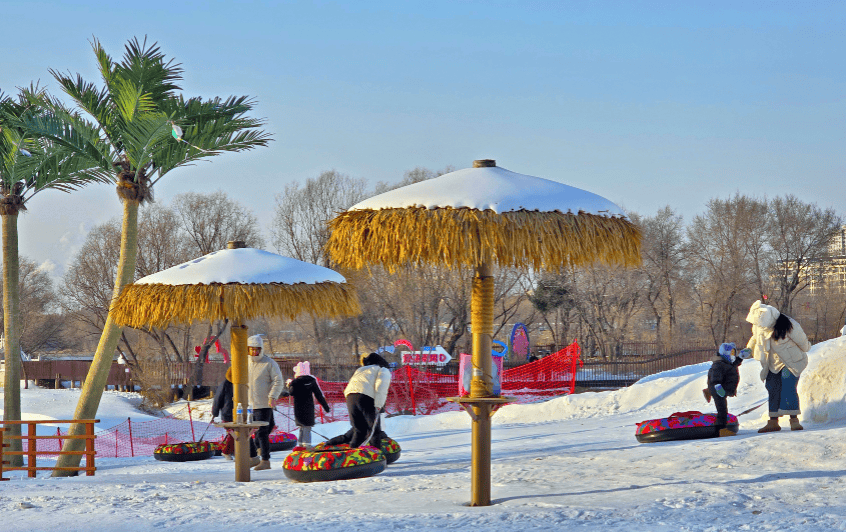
(571, 462)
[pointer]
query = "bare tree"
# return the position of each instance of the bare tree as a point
(299, 227)
(212, 220)
(723, 257)
(607, 298)
(664, 252)
(41, 326)
(798, 234)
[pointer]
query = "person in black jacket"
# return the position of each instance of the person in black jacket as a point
(304, 389)
(723, 378)
(222, 406)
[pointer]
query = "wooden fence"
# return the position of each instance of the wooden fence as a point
(32, 438)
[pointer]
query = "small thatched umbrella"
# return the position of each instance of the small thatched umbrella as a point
(238, 284)
(479, 217)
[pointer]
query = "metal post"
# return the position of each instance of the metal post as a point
(131, 444)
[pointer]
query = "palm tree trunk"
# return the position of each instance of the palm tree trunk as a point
(98, 374)
(12, 334)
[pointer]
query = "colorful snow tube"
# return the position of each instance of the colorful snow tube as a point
(682, 426)
(336, 462)
(282, 441)
(391, 450)
(185, 452)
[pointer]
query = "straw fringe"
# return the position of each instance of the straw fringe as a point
(455, 237)
(157, 305)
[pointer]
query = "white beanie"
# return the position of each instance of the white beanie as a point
(255, 341)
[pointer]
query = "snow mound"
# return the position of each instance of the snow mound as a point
(822, 387)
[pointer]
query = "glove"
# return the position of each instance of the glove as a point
(745, 353)
(707, 394)
(719, 389)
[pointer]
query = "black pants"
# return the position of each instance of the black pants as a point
(722, 408)
(263, 434)
(363, 415)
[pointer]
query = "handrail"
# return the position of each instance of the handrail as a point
(32, 442)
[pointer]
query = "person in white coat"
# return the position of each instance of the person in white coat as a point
(266, 384)
(366, 393)
(780, 345)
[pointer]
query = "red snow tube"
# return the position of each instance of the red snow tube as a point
(682, 426)
(337, 462)
(281, 441)
(185, 452)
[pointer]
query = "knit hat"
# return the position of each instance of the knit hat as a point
(255, 341)
(302, 368)
(726, 351)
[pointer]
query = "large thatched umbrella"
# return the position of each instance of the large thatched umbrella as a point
(238, 284)
(479, 217)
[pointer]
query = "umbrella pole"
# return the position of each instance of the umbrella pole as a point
(481, 385)
(240, 375)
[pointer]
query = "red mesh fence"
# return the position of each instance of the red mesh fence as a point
(412, 391)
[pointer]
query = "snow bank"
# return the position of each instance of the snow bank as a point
(822, 387)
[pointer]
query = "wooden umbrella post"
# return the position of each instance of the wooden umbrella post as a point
(481, 385)
(240, 375)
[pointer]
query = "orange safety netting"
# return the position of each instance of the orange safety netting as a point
(412, 391)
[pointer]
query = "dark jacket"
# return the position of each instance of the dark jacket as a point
(223, 401)
(725, 374)
(304, 389)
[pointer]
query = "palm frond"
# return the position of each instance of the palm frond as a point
(145, 67)
(32, 162)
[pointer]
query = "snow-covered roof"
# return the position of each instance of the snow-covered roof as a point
(493, 188)
(244, 266)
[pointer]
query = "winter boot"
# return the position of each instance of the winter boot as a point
(727, 432)
(707, 394)
(227, 457)
(771, 426)
(254, 461)
(794, 423)
(264, 464)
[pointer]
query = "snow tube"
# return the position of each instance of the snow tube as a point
(334, 462)
(391, 449)
(282, 441)
(185, 452)
(682, 426)
(279, 441)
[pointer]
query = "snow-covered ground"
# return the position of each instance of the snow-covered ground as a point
(569, 463)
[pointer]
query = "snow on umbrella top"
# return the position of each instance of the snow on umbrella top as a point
(486, 211)
(238, 284)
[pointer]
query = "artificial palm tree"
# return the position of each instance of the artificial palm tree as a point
(133, 131)
(28, 165)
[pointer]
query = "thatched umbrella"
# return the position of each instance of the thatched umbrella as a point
(238, 284)
(479, 217)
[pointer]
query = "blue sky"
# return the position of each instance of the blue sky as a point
(646, 103)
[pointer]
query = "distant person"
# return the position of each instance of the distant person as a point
(723, 378)
(780, 344)
(366, 394)
(222, 405)
(266, 384)
(304, 389)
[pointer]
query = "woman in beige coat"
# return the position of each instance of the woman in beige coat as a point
(780, 345)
